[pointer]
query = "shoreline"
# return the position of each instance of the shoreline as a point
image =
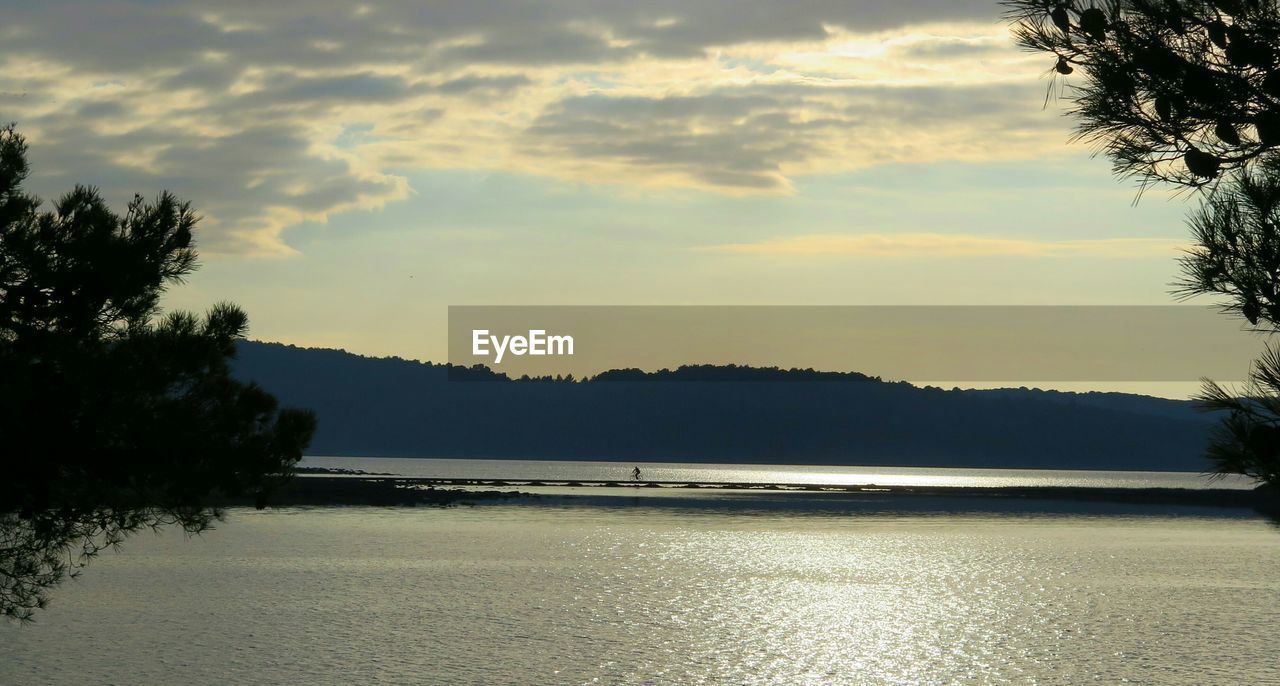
(345, 488)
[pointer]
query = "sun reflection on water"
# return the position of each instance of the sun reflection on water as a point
(513, 595)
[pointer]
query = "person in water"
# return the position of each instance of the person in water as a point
(635, 474)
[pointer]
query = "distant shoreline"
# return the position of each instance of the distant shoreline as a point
(719, 414)
(346, 487)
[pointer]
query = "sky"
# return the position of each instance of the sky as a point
(361, 166)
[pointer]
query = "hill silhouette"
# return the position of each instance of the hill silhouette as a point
(394, 407)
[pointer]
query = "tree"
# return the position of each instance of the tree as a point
(1176, 91)
(1187, 93)
(113, 417)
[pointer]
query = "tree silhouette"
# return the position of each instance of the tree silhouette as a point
(1176, 91)
(114, 418)
(1187, 92)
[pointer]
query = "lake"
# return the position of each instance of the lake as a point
(548, 592)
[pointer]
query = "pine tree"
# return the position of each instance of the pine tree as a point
(1187, 93)
(114, 417)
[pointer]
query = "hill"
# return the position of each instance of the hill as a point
(402, 408)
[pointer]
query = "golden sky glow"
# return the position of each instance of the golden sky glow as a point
(267, 126)
(360, 167)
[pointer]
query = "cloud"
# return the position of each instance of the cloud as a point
(755, 138)
(727, 140)
(249, 109)
(935, 48)
(493, 84)
(950, 245)
(251, 182)
(289, 32)
(293, 89)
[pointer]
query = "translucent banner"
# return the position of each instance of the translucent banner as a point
(1005, 344)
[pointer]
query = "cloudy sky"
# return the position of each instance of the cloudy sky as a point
(360, 166)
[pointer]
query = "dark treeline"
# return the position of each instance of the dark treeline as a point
(729, 372)
(397, 407)
(688, 372)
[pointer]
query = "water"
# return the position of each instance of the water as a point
(772, 474)
(524, 593)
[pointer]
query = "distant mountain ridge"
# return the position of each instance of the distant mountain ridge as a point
(394, 407)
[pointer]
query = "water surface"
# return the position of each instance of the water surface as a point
(517, 594)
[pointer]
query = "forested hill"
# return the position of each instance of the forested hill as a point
(396, 407)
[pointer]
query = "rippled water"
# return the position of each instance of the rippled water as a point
(552, 470)
(523, 594)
